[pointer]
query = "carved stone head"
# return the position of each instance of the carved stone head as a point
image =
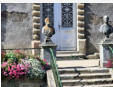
(47, 21)
(106, 19)
(106, 28)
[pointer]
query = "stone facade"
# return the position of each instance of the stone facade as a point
(25, 19)
(16, 25)
(93, 20)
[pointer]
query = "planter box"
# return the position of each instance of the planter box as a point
(23, 83)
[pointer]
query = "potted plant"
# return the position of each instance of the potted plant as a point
(16, 66)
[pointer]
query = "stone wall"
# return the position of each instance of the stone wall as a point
(93, 20)
(23, 83)
(16, 25)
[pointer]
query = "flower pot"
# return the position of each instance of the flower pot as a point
(24, 82)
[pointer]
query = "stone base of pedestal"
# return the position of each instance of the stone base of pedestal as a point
(45, 51)
(105, 53)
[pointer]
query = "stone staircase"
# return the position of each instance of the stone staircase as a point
(68, 55)
(86, 77)
(76, 71)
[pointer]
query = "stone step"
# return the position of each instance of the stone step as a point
(68, 55)
(102, 85)
(70, 58)
(87, 82)
(93, 56)
(85, 76)
(83, 70)
(78, 63)
(66, 52)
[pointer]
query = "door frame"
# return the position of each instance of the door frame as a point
(81, 40)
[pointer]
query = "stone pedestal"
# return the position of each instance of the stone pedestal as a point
(45, 51)
(105, 52)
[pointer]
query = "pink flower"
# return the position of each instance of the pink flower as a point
(5, 73)
(10, 73)
(14, 72)
(13, 67)
(47, 64)
(4, 64)
(109, 64)
(44, 60)
(9, 68)
(18, 66)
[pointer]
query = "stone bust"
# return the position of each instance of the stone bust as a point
(106, 28)
(48, 31)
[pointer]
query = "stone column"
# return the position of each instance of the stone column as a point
(45, 51)
(81, 40)
(36, 27)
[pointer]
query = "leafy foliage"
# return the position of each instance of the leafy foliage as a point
(16, 65)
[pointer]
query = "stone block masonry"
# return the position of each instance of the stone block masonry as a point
(16, 25)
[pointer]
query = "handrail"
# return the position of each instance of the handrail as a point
(111, 49)
(55, 69)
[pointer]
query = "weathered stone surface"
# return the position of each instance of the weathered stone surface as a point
(16, 25)
(82, 46)
(35, 44)
(23, 83)
(93, 56)
(36, 21)
(93, 20)
(50, 79)
(46, 53)
(105, 53)
(78, 63)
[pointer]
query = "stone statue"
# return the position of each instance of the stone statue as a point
(106, 28)
(48, 31)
